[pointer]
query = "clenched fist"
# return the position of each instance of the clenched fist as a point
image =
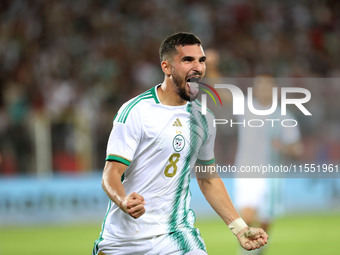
(252, 238)
(133, 205)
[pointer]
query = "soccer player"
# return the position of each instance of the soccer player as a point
(259, 199)
(156, 139)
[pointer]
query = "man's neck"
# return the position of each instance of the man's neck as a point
(168, 95)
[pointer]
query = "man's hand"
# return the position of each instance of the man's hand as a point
(252, 238)
(133, 205)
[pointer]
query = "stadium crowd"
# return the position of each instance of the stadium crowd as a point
(65, 66)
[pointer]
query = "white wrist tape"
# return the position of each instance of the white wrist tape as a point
(237, 225)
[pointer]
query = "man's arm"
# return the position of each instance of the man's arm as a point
(217, 195)
(132, 204)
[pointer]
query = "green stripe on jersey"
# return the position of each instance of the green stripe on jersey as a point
(187, 239)
(151, 93)
(132, 105)
(96, 243)
(133, 102)
(119, 159)
(115, 117)
(205, 162)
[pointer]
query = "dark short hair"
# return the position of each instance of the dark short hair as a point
(168, 46)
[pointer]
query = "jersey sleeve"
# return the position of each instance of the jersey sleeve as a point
(124, 137)
(206, 154)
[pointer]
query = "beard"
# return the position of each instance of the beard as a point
(182, 91)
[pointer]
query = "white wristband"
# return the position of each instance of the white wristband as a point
(237, 225)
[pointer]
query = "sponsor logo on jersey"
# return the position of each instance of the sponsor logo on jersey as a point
(177, 123)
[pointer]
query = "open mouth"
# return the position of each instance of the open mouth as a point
(193, 85)
(194, 79)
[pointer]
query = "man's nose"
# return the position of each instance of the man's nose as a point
(199, 66)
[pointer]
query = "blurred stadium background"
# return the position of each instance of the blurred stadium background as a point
(66, 67)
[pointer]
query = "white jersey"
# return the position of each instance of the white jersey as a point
(160, 145)
(255, 148)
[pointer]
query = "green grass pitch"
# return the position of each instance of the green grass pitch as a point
(299, 234)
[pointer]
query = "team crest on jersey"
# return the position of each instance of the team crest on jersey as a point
(178, 143)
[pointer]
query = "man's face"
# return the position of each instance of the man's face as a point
(188, 65)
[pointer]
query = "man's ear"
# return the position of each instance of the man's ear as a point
(166, 67)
